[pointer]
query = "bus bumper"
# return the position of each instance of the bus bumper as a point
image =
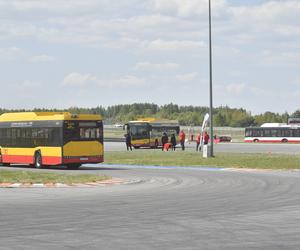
(81, 159)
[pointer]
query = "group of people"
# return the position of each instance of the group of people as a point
(199, 138)
(166, 145)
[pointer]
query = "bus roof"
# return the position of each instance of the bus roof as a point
(268, 125)
(155, 121)
(45, 116)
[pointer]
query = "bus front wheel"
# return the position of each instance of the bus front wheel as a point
(255, 140)
(38, 160)
(284, 140)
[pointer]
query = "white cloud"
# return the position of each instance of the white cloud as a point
(126, 81)
(156, 66)
(187, 77)
(41, 59)
(29, 84)
(10, 52)
(85, 80)
(284, 59)
(11, 28)
(188, 8)
(53, 5)
(269, 18)
(78, 79)
(175, 45)
(236, 88)
(296, 81)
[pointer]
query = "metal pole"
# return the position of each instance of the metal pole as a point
(210, 88)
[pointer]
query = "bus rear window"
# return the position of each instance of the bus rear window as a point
(83, 130)
(90, 133)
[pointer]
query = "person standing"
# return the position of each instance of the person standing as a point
(198, 140)
(182, 139)
(205, 138)
(128, 141)
(164, 140)
(173, 142)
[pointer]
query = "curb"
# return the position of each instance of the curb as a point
(104, 183)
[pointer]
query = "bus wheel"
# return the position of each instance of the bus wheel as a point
(284, 140)
(38, 160)
(255, 140)
(136, 147)
(156, 144)
(73, 166)
(5, 164)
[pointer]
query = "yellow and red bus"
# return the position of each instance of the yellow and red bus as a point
(50, 138)
(147, 132)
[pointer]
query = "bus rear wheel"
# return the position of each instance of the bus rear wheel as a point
(38, 160)
(255, 140)
(284, 140)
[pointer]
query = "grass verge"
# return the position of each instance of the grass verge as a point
(228, 160)
(12, 176)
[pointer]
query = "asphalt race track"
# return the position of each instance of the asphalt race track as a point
(277, 148)
(162, 208)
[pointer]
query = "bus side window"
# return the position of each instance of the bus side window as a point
(296, 133)
(248, 133)
(267, 133)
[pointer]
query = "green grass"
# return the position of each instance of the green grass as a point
(16, 176)
(186, 158)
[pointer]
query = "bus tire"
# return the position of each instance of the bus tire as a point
(73, 166)
(284, 140)
(38, 160)
(156, 144)
(136, 147)
(255, 140)
(5, 164)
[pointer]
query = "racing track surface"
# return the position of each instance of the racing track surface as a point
(175, 208)
(277, 148)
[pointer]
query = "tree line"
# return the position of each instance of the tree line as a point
(186, 115)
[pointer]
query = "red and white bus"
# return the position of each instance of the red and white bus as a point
(273, 132)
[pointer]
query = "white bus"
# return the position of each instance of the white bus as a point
(273, 132)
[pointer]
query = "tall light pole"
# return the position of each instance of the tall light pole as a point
(210, 88)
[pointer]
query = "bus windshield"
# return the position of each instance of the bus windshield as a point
(139, 131)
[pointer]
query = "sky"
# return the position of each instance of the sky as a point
(86, 53)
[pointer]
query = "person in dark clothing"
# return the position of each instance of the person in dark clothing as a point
(164, 140)
(128, 141)
(198, 141)
(173, 142)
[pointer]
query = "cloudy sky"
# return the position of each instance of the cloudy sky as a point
(63, 53)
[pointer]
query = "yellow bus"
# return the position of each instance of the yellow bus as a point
(147, 132)
(50, 138)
